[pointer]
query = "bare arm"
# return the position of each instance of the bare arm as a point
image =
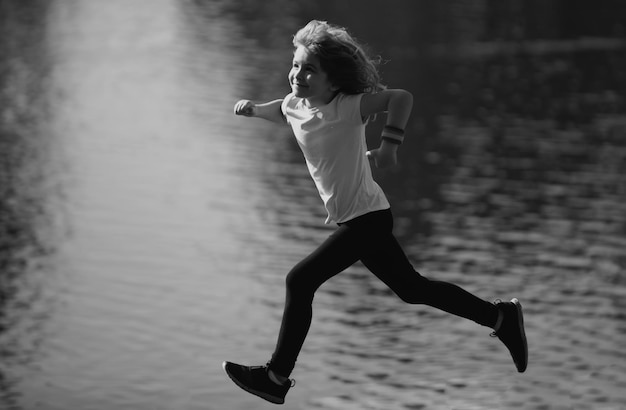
(268, 111)
(398, 104)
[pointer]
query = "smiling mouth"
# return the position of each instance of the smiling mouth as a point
(300, 85)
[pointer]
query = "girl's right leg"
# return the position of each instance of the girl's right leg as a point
(337, 253)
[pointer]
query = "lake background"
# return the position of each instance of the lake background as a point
(145, 231)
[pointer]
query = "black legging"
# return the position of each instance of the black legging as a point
(368, 238)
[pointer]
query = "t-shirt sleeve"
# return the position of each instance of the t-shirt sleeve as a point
(283, 105)
(350, 107)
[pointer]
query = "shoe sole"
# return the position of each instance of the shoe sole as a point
(265, 396)
(520, 323)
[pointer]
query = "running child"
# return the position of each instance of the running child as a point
(335, 88)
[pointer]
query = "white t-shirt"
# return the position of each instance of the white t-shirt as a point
(332, 138)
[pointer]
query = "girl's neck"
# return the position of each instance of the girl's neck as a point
(317, 103)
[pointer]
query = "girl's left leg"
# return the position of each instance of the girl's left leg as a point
(389, 263)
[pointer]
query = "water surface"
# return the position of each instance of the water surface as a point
(146, 231)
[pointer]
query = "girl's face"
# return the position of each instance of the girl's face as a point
(308, 80)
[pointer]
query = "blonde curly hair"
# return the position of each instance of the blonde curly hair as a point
(343, 59)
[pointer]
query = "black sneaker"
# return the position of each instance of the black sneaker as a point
(511, 332)
(255, 380)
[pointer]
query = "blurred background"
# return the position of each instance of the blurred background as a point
(145, 231)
